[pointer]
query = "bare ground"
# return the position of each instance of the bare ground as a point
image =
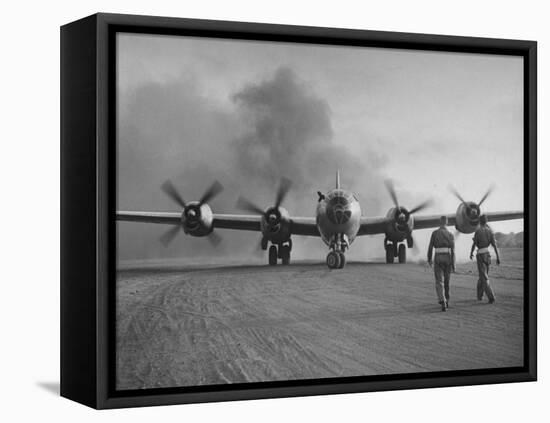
(185, 326)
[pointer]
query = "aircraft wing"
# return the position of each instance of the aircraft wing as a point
(373, 225)
(378, 225)
(424, 222)
(304, 226)
(299, 225)
(166, 218)
(237, 221)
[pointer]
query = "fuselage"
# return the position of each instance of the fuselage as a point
(338, 216)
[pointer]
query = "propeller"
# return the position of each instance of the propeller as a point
(168, 236)
(171, 191)
(284, 187)
(421, 206)
(272, 215)
(192, 211)
(402, 214)
(391, 190)
(457, 195)
(472, 207)
(211, 192)
(247, 205)
(489, 191)
(214, 238)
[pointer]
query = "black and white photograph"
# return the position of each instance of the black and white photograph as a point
(299, 211)
(291, 211)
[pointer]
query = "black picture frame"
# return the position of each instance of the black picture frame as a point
(87, 209)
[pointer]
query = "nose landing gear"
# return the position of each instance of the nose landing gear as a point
(336, 258)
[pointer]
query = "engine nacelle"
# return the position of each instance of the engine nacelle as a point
(197, 219)
(275, 225)
(401, 225)
(467, 217)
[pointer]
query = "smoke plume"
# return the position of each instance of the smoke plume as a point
(274, 127)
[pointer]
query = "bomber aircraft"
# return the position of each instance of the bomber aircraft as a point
(338, 221)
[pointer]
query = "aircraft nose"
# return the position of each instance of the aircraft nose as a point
(338, 215)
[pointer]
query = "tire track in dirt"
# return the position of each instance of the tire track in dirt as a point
(247, 324)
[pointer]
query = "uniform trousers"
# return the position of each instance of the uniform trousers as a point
(483, 285)
(442, 273)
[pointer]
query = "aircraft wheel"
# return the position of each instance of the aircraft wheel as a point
(273, 255)
(402, 253)
(342, 260)
(285, 254)
(264, 243)
(333, 260)
(389, 254)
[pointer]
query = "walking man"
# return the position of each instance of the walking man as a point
(483, 238)
(443, 243)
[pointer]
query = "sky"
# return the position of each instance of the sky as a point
(247, 113)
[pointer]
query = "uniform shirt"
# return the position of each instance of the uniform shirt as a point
(441, 238)
(483, 237)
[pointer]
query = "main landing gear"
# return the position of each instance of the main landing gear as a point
(280, 251)
(397, 249)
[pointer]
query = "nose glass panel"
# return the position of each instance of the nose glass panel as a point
(338, 211)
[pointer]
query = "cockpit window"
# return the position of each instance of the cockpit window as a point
(338, 200)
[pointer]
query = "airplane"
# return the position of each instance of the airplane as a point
(338, 221)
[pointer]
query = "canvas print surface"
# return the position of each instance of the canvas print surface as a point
(293, 211)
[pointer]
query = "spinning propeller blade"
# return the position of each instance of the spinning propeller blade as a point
(171, 191)
(247, 205)
(489, 191)
(168, 236)
(457, 195)
(421, 206)
(391, 190)
(284, 187)
(214, 239)
(211, 192)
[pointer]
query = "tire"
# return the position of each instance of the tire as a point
(402, 253)
(342, 260)
(285, 254)
(333, 260)
(389, 254)
(273, 255)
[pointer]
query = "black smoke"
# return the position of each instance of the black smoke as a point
(275, 127)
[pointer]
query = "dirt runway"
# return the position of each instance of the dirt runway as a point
(183, 326)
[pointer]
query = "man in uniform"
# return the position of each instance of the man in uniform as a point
(443, 242)
(483, 238)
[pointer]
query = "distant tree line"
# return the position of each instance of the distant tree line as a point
(509, 240)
